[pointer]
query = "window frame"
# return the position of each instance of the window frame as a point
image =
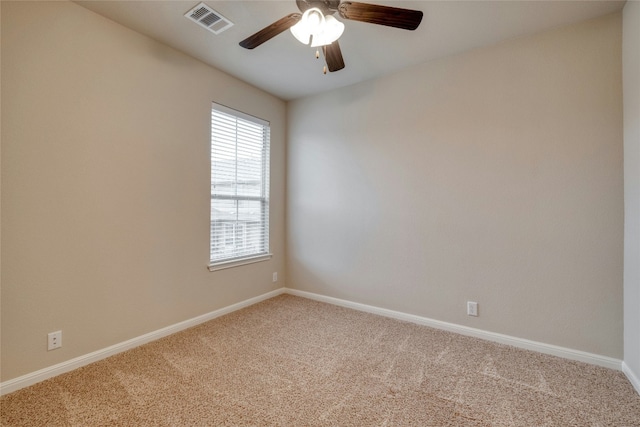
(264, 252)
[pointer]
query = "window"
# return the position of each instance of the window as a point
(239, 188)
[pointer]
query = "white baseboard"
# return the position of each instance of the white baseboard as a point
(633, 378)
(52, 371)
(69, 365)
(554, 350)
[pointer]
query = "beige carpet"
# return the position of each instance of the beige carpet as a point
(290, 361)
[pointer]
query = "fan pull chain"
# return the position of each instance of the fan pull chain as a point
(317, 53)
(324, 70)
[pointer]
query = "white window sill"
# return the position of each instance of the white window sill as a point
(238, 262)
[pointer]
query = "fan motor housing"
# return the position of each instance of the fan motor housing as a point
(326, 6)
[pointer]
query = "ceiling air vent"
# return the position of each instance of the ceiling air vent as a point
(208, 18)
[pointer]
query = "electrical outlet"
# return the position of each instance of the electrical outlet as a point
(54, 340)
(472, 308)
(275, 277)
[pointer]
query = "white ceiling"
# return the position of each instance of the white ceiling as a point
(289, 70)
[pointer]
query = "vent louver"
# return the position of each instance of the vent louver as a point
(208, 18)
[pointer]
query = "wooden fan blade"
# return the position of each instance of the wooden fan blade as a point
(271, 31)
(333, 56)
(406, 19)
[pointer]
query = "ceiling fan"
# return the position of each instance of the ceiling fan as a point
(321, 11)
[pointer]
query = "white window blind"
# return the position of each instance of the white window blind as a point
(239, 187)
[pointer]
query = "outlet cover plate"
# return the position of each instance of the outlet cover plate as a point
(54, 340)
(472, 308)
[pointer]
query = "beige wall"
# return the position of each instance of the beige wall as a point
(631, 75)
(105, 185)
(493, 176)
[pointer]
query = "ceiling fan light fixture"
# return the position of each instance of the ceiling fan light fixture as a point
(300, 33)
(310, 24)
(316, 29)
(331, 32)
